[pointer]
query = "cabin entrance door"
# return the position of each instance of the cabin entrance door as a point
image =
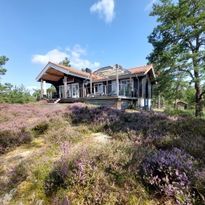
(75, 90)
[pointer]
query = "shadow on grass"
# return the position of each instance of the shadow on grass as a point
(156, 129)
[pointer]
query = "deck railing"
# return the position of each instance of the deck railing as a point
(124, 90)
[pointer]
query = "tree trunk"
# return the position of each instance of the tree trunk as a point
(198, 94)
(198, 101)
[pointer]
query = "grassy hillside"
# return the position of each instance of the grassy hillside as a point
(52, 154)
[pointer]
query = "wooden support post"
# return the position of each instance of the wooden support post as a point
(107, 87)
(149, 94)
(83, 90)
(94, 86)
(138, 87)
(131, 88)
(65, 87)
(119, 104)
(142, 99)
(42, 88)
(91, 84)
(117, 80)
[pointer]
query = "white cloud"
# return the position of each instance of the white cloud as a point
(54, 56)
(150, 4)
(76, 55)
(105, 9)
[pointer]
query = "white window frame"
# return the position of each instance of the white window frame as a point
(124, 83)
(98, 88)
(77, 90)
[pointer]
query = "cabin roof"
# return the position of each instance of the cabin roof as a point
(141, 69)
(54, 72)
(73, 70)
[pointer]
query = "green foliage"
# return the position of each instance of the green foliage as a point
(19, 174)
(96, 174)
(41, 128)
(15, 95)
(53, 182)
(3, 60)
(10, 139)
(10, 94)
(65, 62)
(36, 94)
(178, 42)
(52, 89)
(182, 113)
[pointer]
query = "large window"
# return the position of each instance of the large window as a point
(126, 87)
(114, 87)
(98, 88)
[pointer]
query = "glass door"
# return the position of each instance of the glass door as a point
(75, 90)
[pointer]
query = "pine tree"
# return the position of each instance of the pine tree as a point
(179, 44)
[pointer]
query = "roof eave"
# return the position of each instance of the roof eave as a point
(56, 67)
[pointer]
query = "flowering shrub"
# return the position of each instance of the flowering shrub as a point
(53, 182)
(90, 173)
(15, 118)
(67, 171)
(149, 128)
(168, 173)
(10, 139)
(57, 177)
(97, 116)
(199, 184)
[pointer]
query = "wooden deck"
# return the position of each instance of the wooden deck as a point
(109, 101)
(72, 100)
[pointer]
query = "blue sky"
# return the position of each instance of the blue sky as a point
(91, 33)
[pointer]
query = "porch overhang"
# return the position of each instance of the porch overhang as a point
(53, 73)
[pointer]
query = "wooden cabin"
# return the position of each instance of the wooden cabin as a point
(112, 86)
(180, 105)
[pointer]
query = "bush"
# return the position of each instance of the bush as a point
(181, 113)
(16, 95)
(168, 172)
(41, 128)
(11, 139)
(199, 184)
(18, 174)
(57, 177)
(53, 182)
(97, 116)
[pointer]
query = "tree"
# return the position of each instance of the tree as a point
(51, 91)
(179, 44)
(10, 93)
(37, 94)
(65, 62)
(3, 60)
